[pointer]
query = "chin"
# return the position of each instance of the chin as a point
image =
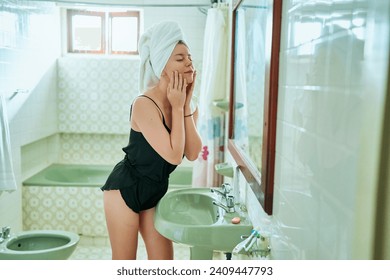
(189, 77)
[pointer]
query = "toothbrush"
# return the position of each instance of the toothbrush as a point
(253, 241)
(243, 244)
(253, 238)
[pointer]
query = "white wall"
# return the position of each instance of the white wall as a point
(27, 64)
(330, 116)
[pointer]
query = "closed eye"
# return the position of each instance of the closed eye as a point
(181, 57)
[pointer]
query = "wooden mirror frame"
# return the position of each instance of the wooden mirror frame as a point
(262, 183)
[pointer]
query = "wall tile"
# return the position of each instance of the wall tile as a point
(76, 209)
(329, 114)
(38, 155)
(84, 148)
(95, 94)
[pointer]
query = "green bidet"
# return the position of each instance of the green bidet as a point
(39, 245)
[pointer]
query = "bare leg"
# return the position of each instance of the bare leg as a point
(122, 225)
(157, 246)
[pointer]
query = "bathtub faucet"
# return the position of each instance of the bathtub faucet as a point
(5, 233)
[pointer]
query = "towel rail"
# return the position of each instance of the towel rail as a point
(16, 92)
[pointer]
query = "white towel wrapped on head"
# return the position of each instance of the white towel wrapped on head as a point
(155, 48)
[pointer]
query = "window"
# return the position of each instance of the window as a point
(103, 32)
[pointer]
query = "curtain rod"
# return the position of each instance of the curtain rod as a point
(132, 5)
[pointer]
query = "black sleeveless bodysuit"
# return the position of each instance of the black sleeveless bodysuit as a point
(142, 176)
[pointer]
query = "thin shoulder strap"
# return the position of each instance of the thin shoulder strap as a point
(163, 119)
(154, 104)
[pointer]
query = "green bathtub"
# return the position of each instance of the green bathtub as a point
(93, 176)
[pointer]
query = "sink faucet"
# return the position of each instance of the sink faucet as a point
(5, 233)
(229, 207)
(224, 190)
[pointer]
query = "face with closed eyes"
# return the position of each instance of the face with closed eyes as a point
(180, 61)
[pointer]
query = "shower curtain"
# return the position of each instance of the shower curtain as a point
(211, 122)
(7, 177)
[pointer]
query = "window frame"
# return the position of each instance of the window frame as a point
(106, 30)
(73, 12)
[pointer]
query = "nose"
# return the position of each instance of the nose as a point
(189, 63)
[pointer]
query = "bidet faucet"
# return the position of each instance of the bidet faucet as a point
(224, 190)
(5, 233)
(229, 207)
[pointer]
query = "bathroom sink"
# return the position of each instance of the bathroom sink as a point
(39, 245)
(188, 208)
(188, 216)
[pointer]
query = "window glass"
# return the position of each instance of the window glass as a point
(124, 34)
(87, 33)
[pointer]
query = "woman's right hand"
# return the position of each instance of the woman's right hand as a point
(176, 92)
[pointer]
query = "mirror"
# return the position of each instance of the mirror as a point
(253, 93)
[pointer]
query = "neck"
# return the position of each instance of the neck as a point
(160, 93)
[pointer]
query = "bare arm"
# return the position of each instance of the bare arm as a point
(193, 142)
(147, 119)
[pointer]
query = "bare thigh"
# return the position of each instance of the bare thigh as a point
(122, 225)
(157, 246)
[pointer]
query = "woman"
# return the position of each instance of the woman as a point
(162, 132)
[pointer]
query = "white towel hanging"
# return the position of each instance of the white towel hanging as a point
(7, 177)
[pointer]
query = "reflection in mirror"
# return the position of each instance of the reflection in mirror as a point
(249, 75)
(253, 93)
